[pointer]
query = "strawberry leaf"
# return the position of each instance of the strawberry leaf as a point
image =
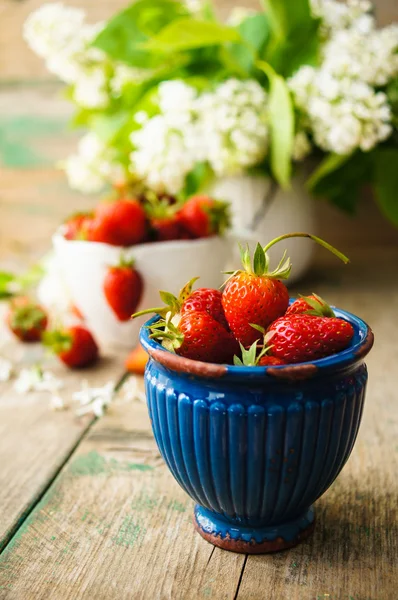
(259, 262)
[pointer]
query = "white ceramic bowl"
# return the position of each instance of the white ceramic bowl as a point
(163, 265)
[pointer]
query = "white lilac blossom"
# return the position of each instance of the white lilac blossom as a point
(5, 369)
(94, 400)
(57, 403)
(336, 15)
(226, 127)
(37, 380)
(342, 114)
(93, 166)
(160, 155)
(131, 390)
(233, 126)
(371, 58)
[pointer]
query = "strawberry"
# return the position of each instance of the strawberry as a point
(301, 338)
(26, 319)
(75, 346)
(310, 305)
(123, 286)
(164, 219)
(197, 336)
(271, 361)
(75, 225)
(206, 300)
(201, 300)
(203, 216)
(255, 296)
(119, 223)
(136, 361)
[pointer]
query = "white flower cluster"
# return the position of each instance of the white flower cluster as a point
(93, 166)
(339, 104)
(94, 400)
(59, 35)
(226, 127)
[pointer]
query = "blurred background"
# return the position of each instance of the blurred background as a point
(35, 134)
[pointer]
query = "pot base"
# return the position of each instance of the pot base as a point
(249, 540)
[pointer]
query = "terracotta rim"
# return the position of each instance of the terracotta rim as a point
(252, 547)
(305, 371)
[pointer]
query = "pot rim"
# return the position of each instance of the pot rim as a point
(361, 346)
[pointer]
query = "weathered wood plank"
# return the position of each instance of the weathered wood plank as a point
(116, 525)
(35, 441)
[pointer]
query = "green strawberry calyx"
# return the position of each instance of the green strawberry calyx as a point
(27, 317)
(58, 341)
(219, 216)
(251, 357)
(260, 266)
(172, 304)
(166, 330)
(319, 308)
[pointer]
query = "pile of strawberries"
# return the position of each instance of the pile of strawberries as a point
(250, 322)
(129, 221)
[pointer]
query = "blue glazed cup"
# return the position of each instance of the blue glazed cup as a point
(255, 447)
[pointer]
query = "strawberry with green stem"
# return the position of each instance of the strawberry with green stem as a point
(310, 305)
(26, 319)
(200, 300)
(164, 219)
(306, 337)
(197, 336)
(123, 286)
(256, 295)
(75, 346)
(203, 216)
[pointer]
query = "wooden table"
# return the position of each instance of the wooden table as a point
(89, 510)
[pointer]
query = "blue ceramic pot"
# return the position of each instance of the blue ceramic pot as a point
(256, 446)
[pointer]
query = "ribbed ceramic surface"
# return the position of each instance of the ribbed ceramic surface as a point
(256, 456)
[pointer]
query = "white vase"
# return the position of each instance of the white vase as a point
(261, 212)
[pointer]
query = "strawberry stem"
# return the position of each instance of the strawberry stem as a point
(314, 238)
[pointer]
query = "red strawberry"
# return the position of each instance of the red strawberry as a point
(120, 223)
(310, 305)
(75, 346)
(255, 295)
(301, 338)
(123, 286)
(74, 227)
(163, 217)
(167, 228)
(203, 216)
(199, 337)
(268, 361)
(201, 300)
(26, 319)
(206, 300)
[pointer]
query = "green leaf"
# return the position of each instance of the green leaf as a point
(197, 179)
(392, 95)
(288, 15)
(259, 261)
(123, 36)
(330, 163)
(294, 35)
(386, 182)
(5, 279)
(186, 34)
(254, 31)
(281, 121)
(342, 185)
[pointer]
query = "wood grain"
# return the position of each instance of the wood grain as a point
(35, 441)
(115, 524)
